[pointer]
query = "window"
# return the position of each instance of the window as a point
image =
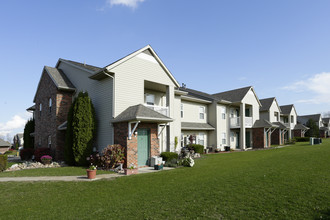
(201, 139)
(247, 112)
(224, 141)
(276, 116)
(181, 110)
(49, 141)
(150, 99)
(232, 113)
(223, 112)
(232, 136)
(201, 112)
(50, 104)
(40, 108)
(292, 119)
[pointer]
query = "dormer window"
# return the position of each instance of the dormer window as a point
(50, 104)
(150, 99)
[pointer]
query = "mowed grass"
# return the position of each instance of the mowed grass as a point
(287, 183)
(58, 171)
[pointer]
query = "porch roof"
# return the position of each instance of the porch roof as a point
(141, 113)
(300, 127)
(196, 126)
(262, 123)
(281, 125)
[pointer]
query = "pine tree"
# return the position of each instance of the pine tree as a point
(81, 129)
(313, 129)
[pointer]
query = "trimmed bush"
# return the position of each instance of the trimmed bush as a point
(302, 139)
(80, 131)
(38, 153)
(29, 128)
(197, 148)
(169, 156)
(26, 154)
(3, 162)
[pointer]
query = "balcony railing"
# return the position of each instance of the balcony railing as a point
(236, 122)
(288, 125)
(161, 109)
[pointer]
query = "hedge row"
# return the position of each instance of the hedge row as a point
(3, 162)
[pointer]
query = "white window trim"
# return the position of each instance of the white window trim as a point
(224, 139)
(181, 110)
(201, 112)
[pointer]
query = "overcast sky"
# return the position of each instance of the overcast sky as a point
(280, 47)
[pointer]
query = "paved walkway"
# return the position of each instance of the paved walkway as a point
(74, 178)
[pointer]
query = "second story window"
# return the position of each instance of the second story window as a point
(181, 110)
(276, 116)
(50, 105)
(201, 112)
(150, 99)
(292, 119)
(223, 112)
(40, 109)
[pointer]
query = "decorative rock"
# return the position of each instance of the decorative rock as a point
(32, 165)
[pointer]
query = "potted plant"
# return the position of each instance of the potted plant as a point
(91, 171)
(158, 166)
(46, 159)
(131, 170)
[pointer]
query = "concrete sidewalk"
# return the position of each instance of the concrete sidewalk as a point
(75, 178)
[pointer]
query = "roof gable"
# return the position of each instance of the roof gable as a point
(235, 95)
(148, 51)
(267, 104)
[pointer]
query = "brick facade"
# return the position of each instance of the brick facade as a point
(48, 119)
(259, 138)
(131, 146)
(277, 137)
(298, 133)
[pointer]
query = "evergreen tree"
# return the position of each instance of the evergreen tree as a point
(28, 140)
(313, 129)
(81, 129)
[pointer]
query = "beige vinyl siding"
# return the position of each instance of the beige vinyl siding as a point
(101, 93)
(212, 120)
(251, 99)
(177, 121)
(223, 126)
(129, 81)
(191, 112)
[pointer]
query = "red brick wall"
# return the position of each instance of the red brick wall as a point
(131, 154)
(276, 139)
(298, 133)
(46, 124)
(258, 137)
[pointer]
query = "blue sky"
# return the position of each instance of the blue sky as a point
(280, 47)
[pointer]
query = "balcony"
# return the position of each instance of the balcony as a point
(236, 122)
(289, 126)
(162, 110)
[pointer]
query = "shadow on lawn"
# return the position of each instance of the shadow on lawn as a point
(323, 215)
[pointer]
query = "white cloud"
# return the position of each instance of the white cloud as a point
(129, 3)
(15, 124)
(317, 86)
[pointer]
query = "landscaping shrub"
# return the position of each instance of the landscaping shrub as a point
(28, 140)
(197, 148)
(81, 129)
(313, 130)
(112, 155)
(38, 153)
(291, 141)
(3, 162)
(26, 154)
(169, 156)
(302, 139)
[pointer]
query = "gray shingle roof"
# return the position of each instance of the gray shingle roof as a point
(281, 125)
(300, 127)
(61, 80)
(266, 103)
(141, 113)
(196, 126)
(32, 108)
(4, 143)
(198, 94)
(304, 118)
(86, 66)
(235, 95)
(286, 109)
(262, 123)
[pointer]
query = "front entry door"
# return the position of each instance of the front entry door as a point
(143, 146)
(237, 140)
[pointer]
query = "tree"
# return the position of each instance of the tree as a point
(313, 129)
(28, 140)
(81, 129)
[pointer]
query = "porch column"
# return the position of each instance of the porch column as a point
(170, 127)
(289, 119)
(242, 129)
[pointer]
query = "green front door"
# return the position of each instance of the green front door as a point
(237, 140)
(143, 146)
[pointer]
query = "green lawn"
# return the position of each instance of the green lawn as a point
(59, 171)
(286, 183)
